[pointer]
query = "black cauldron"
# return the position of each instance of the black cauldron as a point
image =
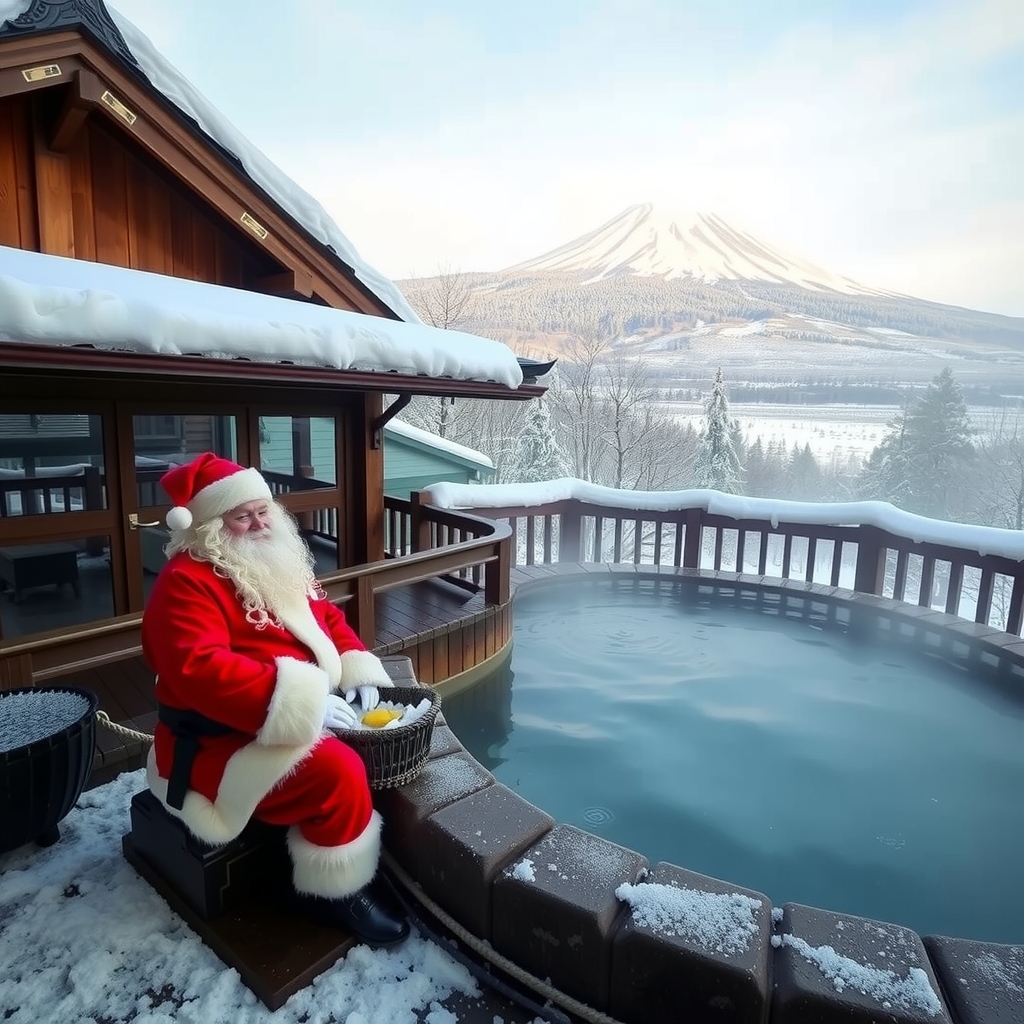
(47, 740)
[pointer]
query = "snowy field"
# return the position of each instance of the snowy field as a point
(833, 431)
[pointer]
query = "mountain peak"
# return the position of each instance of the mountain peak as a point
(648, 241)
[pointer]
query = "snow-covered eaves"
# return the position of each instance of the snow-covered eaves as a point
(135, 53)
(58, 302)
(986, 540)
(425, 439)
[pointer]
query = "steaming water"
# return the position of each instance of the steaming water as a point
(766, 748)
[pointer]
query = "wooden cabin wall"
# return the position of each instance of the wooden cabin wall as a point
(103, 201)
(18, 222)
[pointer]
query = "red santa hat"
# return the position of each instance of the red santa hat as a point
(209, 486)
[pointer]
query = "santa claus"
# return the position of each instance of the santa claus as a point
(254, 668)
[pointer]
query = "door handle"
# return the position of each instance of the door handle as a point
(134, 524)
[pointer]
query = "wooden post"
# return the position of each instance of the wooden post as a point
(869, 574)
(366, 623)
(419, 527)
(497, 584)
(1015, 615)
(570, 535)
(691, 539)
(93, 500)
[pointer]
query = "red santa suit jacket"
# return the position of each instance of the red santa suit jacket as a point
(269, 685)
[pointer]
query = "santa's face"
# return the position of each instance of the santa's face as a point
(261, 549)
(252, 518)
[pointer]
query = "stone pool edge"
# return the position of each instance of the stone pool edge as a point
(461, 835)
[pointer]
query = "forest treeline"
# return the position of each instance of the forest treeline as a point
(556, 305)
(605, 419)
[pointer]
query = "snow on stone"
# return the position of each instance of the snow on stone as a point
(297, 203)
(881, 984)
(52, 300)
(28, 717)
(523, 871)
(1006, 973)
(986, 540)
(398, 426)
(723, 922)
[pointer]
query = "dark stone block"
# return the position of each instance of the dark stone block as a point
(443, 742)
(983, 981)
(705, 959)
(440, 782)
(460, 850)
(836, 967)
(559, 923)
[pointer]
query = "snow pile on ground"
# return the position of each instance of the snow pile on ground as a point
(82, 936)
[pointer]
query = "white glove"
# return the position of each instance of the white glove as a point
(369, 696)
(338, 714)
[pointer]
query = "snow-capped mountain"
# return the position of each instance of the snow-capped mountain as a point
(685, 292)
(648, 242)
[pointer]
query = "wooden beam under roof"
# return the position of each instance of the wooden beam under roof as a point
(79, 362)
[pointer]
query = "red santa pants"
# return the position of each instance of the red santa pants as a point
(326, 796)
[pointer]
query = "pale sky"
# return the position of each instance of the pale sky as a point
(882, 139)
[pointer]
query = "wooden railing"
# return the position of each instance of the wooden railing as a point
(82, 490)
(986, 588)
(482, 552)
(439, 544)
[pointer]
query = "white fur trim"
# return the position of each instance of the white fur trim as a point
(363, 668)
(179, 518)
(296, 712)
(335, 871)
(250, 774)
(217, 498)
(299, 620)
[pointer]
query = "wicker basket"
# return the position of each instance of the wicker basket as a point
(395, 756)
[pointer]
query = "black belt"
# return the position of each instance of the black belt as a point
(187, 727)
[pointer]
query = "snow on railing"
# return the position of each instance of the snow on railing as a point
(975, 572)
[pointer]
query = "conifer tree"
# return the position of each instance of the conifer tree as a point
(718, 463)
(921, 465)
(539, 456)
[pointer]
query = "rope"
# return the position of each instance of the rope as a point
(491, 955)
(122, 730)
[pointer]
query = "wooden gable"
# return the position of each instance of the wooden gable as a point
(95, 164)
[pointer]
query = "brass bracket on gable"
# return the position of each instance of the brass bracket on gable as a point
(386, 416)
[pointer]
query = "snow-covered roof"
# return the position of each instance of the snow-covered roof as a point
(407, 430)
(52, 300)
(293, 200)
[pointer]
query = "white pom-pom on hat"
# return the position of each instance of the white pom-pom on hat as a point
(179, 518)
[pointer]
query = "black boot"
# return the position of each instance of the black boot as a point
(364, 915)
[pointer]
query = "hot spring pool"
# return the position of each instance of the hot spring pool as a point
(768, 740)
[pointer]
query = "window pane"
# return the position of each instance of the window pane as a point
(169, 440)
(47, 586)
(51, 463)
(297, 452)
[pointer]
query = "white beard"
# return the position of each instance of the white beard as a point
(272, 570)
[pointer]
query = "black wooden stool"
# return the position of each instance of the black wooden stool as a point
(226, 895)
(210, 879)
